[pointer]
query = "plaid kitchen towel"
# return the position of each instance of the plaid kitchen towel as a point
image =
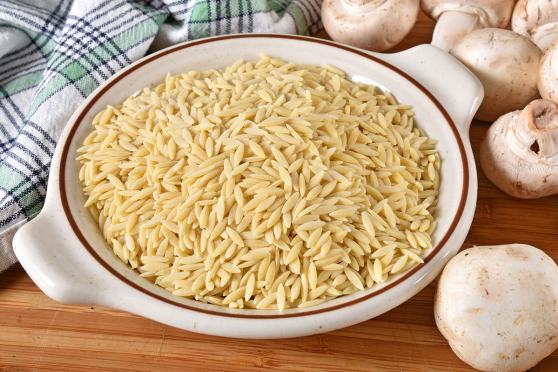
(53, 53)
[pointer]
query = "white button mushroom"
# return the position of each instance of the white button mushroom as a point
(537, 19)
(457, 18)
(506, 63)
(498, 306)
(520, 151)
(370, 24)
(548, 74)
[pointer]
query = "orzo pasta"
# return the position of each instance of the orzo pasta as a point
(265, 185)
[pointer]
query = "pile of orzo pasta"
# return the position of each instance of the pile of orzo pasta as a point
(267, 184)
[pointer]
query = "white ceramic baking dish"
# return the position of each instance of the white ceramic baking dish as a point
(65, 255)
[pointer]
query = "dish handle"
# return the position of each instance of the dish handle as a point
(51, 255)
(448, 80)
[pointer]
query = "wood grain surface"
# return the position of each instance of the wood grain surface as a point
(37, 333)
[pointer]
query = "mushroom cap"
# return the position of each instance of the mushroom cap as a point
(520, 151)
(498, 306)
(548, 74)
(506, 63)
(490, 13)
(374, 24)
(536, 19)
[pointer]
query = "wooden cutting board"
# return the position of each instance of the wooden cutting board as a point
(38, 333)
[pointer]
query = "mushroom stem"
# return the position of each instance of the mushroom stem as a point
(536, 132)
(452, 26)
(545, 35)
(458, 18)
(520, 151)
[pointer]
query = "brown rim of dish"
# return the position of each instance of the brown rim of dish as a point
(74, 125)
